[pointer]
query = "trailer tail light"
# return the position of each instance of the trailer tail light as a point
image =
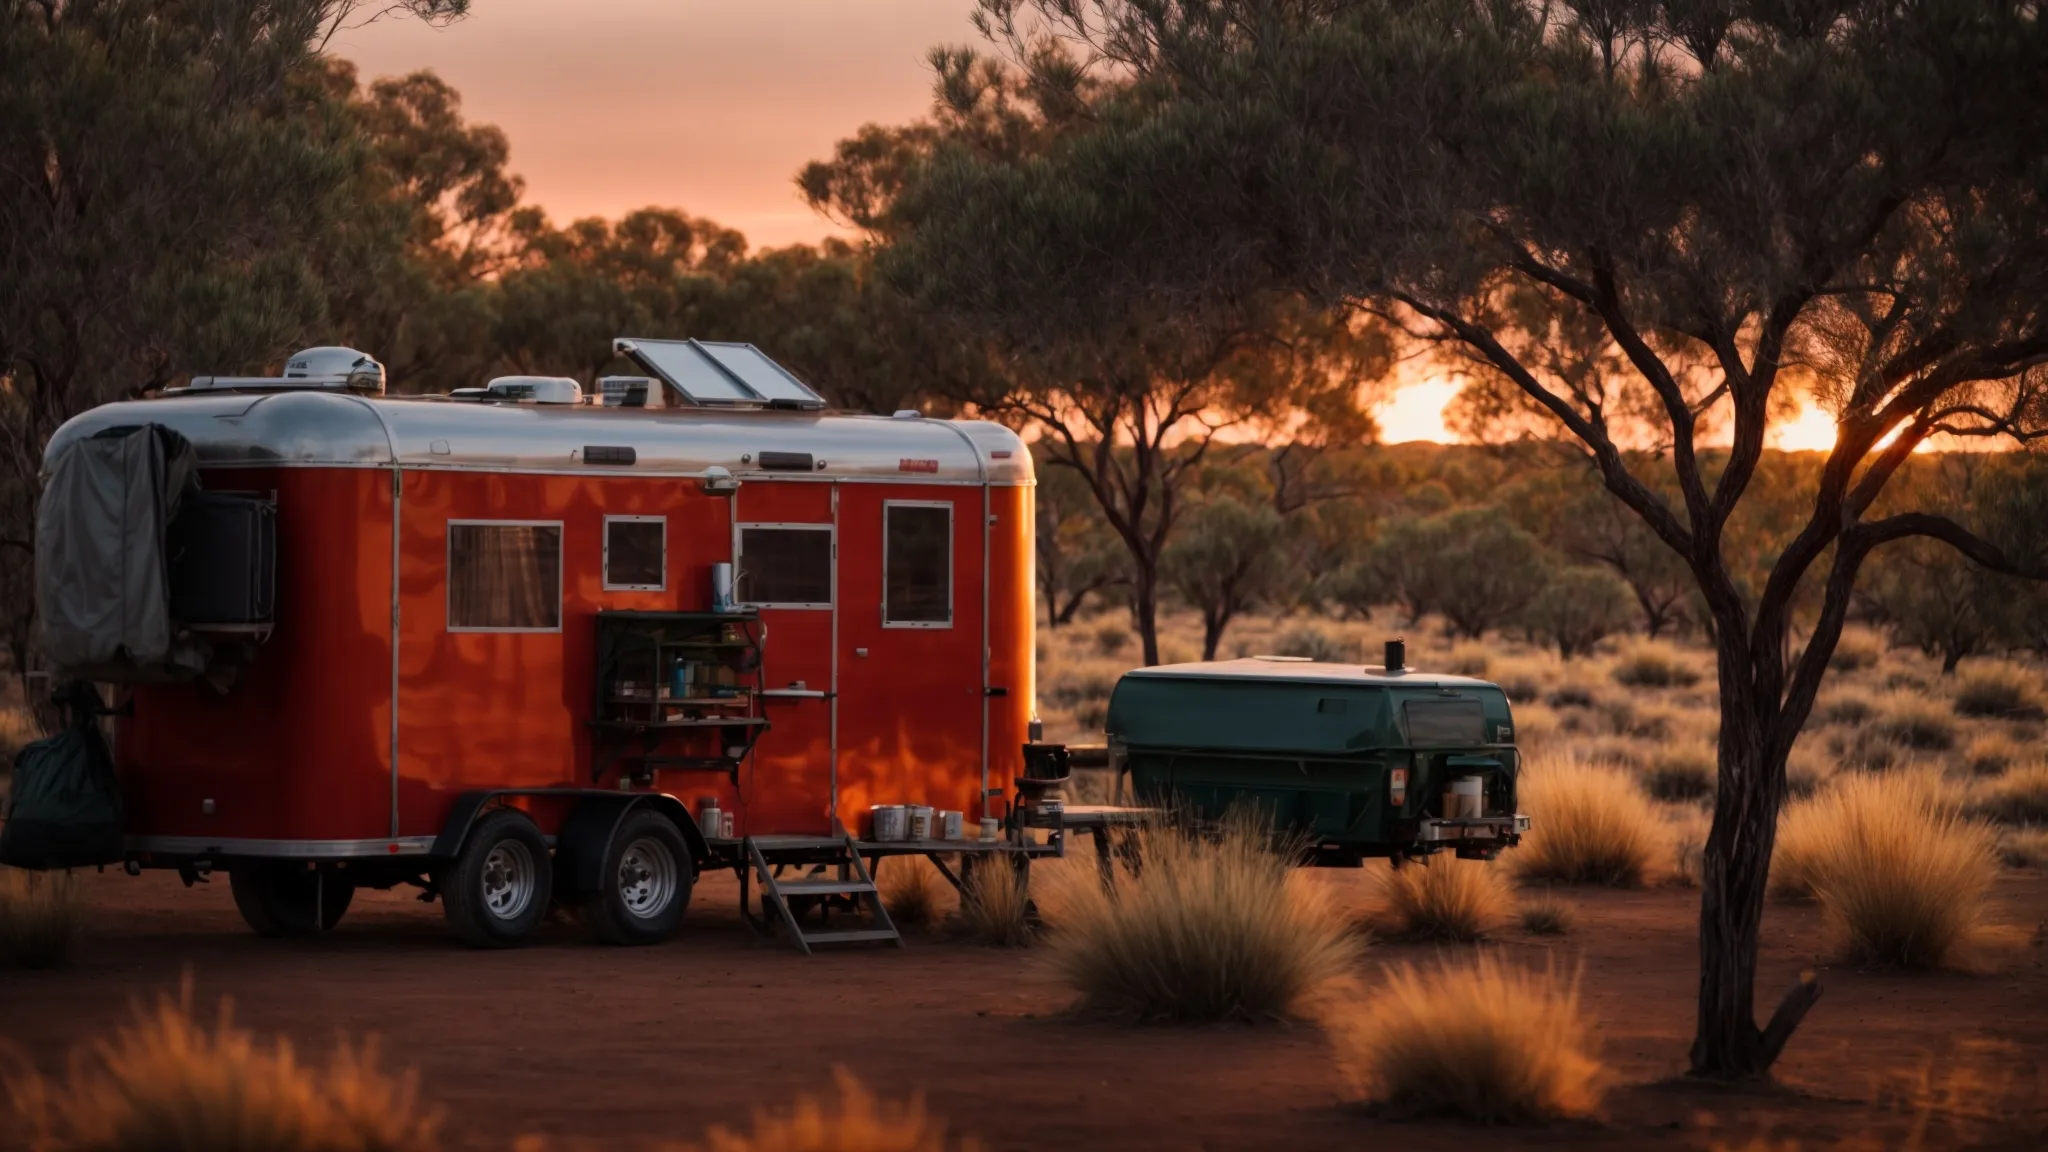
(1397, 787)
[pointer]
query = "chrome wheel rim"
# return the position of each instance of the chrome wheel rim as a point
(647, 877)
(509, 879)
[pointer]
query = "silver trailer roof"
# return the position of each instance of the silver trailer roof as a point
(335, 429)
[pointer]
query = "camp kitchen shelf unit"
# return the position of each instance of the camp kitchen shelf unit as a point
(642, 723)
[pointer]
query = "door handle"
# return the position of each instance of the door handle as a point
(995, 691)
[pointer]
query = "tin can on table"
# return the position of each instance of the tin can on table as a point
(949, 825)
(891, 822)
(920, 823)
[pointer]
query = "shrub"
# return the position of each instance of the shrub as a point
(912, 891)
(1914, 721)
(1522, 680)
(1999, 689)
(1992, 753)
(1468, 659)
(1654, 664)
(1547, 916)
(1570, 695)
(1681, 774)
(1857, 649)
(2018, 797)
(1806, 770)
(1900, 876)
(1204, 928)
(40, 915)
(1589, 824)
(1577, 608)
(1474, 1039)
(1111, 638)
(1084, 683)
(1442, 898)
(1313, 642)
(1845, 707)
(165, 1082)
(856, 1122)
(995, 905)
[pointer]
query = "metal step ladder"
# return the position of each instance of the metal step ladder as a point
(853, 881)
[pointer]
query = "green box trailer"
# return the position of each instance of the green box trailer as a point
(1359, 761)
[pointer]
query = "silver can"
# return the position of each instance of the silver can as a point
(891, 823)
(920, 822)
(950, 826)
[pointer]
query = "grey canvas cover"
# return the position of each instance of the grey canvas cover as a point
(102, 581)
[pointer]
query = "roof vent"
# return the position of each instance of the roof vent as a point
(315, 368)
(535, 389)
(906, 414)
(1285, 659)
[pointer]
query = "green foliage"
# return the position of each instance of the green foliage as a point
(1577, 608)
(1472, 566)
(1227, 556)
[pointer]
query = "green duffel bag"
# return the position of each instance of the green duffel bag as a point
(65, 811)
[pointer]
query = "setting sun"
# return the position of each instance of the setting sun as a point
(1416, 412)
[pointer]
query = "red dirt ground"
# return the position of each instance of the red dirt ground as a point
(583, 1044)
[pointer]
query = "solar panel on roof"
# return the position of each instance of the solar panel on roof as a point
(720, 373)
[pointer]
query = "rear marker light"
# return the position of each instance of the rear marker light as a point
(1397, 787)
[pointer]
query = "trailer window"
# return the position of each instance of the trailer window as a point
(786, 565)
(917, 565)
(1434, 723)
(504, 576)
(635, 553)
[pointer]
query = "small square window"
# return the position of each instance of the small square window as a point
(917, 565)
(504, 576)
(786, 565)
(635, 553)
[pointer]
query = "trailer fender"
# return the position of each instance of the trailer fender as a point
(586, 838)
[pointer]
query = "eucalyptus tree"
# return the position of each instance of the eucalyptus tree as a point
(1744, 202)
(1127, 383)
(171, 172)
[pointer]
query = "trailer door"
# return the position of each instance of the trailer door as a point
(912, 646)
(785, 538)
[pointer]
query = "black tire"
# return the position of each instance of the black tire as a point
(645, 883)
(282, 899)
(496, 891)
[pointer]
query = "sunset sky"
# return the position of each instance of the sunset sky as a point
(711, 106)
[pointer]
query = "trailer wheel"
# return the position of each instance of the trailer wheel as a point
(647, 879)
(280, 899)
(497, 890)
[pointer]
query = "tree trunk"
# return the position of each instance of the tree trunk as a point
(1213, 624)
(1950, 657)
(1145, 610)
(1729, 1046)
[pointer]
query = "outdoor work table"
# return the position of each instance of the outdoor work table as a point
(1098, 820)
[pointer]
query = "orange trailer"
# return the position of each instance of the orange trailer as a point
(832, 612)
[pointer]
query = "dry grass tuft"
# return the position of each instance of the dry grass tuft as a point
(1589, 824)
(1204, 928)
(1547, 916)
(2000, 689)
(1845, 706)
(912, 891)
(40, 918)
(164, 1082)
(1689, 831)
(856, 1122)
(2023, 847)
(995, 905)
(1681, 774)
(1442, 898)
(1992, 753)
(1901, 877)
(2018, 797)
(1653, 664)
(1914, 721)
(1474, 1039)
(1314, 642)
(1855, 650)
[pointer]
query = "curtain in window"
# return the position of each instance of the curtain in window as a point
(504, 576)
